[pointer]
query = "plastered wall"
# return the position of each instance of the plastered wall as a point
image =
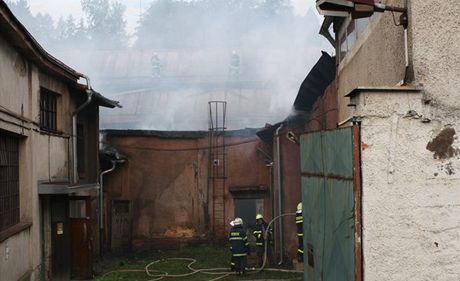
(411, 190)
(42, 156)
(410, 157)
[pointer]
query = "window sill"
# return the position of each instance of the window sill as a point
(15, 229)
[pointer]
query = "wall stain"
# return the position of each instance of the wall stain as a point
(441, 145)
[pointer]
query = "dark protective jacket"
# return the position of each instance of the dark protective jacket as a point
(259, 231)
(238, 241)
(299, 223)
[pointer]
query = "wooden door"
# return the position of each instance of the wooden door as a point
(80, 239)
(121, 226)
(60, 264)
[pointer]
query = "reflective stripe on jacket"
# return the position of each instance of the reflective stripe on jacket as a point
(238, 241)
(259, 231)
(299, 223)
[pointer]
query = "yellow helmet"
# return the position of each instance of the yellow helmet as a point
(259, 217)
(299, 206)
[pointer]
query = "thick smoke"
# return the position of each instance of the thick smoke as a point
(253, 54)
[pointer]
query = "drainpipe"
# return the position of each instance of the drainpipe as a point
(279, 184)
(89, 92)
(101, 199)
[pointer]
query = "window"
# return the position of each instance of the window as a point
(350, 32)
(48, 110)
(9, 181)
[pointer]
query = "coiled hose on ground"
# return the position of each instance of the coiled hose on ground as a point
(221, 272)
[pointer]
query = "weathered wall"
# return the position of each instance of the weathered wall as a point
(435, 47)
(42, 156)
(290, 173)
(411, 195)
(167, 181)
(324, 113)
(17, 78)
(162, 186)
(375, 59)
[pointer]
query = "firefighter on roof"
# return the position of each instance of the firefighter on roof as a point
(239, 246)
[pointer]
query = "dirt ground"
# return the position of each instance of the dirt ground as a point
(132, 266)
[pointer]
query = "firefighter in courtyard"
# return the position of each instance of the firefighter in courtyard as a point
(299, 224)
(263, 235)
(239, 246)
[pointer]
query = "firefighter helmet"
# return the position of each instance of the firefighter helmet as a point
(237, 221)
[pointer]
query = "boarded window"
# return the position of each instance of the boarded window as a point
(9, 181)
(48, 110)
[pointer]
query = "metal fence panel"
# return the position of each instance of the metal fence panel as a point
(328, 205)
(339, 230)
(311, 159)
(313, 218)
(338, 153)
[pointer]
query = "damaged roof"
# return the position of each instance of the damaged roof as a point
(318, 79)
(248, 132)
(316, 82)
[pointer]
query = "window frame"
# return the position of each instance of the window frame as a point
(9, 181)
(343, 36)
(48, 106)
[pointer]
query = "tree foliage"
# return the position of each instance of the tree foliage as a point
(215, 23)
(105, 23)
(104, 28)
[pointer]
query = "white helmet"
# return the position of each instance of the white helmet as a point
(236, 221)
(299, 206)
(259, 217)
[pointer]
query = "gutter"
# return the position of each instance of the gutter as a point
(89, 92)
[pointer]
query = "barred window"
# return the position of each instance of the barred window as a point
(48, 110)
(9, 181)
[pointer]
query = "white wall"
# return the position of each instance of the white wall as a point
(411, 201)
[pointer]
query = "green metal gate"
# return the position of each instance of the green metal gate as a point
(331, 195)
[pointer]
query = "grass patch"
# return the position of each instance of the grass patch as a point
(206, 256)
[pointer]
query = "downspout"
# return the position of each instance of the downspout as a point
(101, 199)
(89, 92)
(101, 204)
(405, 19)
(279, 184)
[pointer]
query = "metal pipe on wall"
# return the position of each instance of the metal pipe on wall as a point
(89, 92)
(279, 184)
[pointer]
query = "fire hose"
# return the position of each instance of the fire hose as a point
(221, 272)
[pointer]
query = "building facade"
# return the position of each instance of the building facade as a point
(48, 161)
(408, 110)
(164, 195)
